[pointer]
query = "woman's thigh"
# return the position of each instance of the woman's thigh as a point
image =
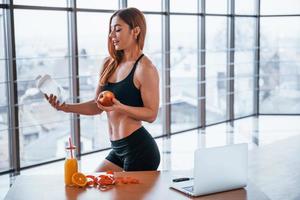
(148, 158)
(106, 165)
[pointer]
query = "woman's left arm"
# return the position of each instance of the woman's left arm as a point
(148, 78)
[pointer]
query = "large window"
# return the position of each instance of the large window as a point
(245, 7)
(154, 5)
(216, 63)
(96, 4)
(56, 3)
(43, 44)
(92, 49)
(152, 49)
(275, 7)
(183, 39)
(244, 66)
(216, 6)
(280, 65)
(41, 47)
(187, 6)
(4, 153)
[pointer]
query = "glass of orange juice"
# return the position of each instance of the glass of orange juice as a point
(71, 165)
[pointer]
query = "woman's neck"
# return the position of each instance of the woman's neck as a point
(131, 54)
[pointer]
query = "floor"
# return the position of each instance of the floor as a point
(273, 142)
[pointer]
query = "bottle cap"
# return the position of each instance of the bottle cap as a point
(40, 79)
(72, 147)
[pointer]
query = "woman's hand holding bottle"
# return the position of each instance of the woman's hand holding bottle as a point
(52, 99)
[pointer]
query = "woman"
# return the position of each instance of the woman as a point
(134, 80)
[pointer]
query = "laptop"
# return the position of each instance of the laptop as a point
(217, 169)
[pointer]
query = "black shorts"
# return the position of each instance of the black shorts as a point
(136, 152)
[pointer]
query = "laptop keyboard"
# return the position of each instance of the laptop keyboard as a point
(189, 188)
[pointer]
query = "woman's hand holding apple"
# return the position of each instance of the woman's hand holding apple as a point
(107, 102)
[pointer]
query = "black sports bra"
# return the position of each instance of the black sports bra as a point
(125, 90)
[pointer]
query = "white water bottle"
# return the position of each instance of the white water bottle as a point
(49, 86)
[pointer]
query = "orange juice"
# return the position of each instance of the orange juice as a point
(71, 166)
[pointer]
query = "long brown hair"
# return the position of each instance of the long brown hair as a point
(134, 18)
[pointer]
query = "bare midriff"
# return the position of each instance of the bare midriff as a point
(121, 125)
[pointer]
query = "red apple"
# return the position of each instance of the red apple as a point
(106, 98)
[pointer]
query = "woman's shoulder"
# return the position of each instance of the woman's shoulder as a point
(146, 68)
(105, 62)
(146, 64)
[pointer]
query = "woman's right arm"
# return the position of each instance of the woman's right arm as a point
(84, 108)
